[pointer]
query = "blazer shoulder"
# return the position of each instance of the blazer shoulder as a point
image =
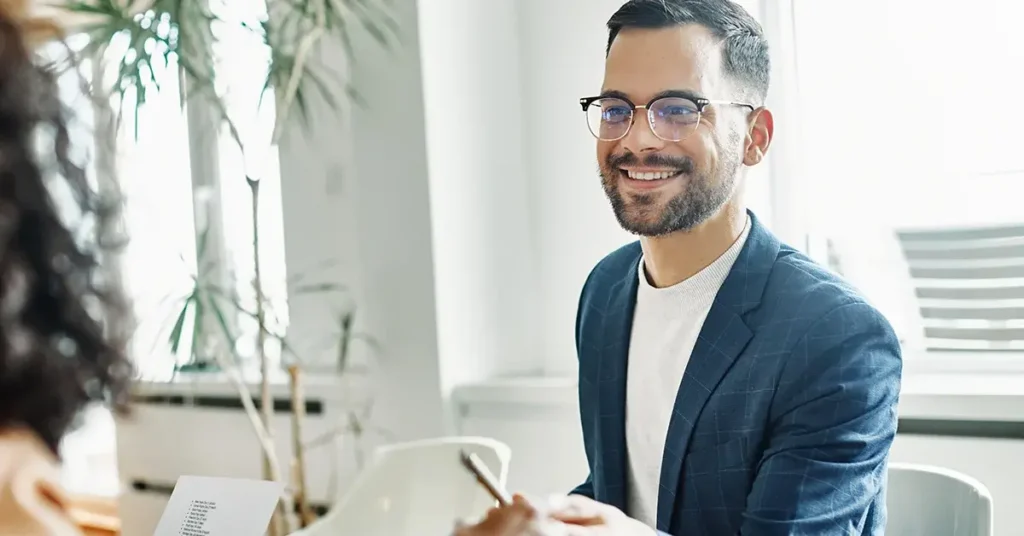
(613, 268)
(801, 288)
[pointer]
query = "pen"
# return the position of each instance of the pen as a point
(486, 479)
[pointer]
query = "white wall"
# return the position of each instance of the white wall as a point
(356, 191)
(562, 46)
(483, 240)
(518, 213)
(463, 219)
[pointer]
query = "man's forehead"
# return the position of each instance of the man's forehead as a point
(642, 62)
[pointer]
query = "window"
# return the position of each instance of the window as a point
(177, 184)
(154, 168)
(911, 160)
(241, 72)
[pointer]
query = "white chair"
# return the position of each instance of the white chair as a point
(415, 489)
(933, 501)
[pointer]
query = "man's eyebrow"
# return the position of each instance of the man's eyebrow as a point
(680, 93)
(615, 94)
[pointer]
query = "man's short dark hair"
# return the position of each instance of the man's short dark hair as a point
(744, 46)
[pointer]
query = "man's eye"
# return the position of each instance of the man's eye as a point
(615, 114)
(678, 111)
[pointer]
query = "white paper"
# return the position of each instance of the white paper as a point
(212, 506)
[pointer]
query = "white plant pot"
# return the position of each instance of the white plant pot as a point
(196, 426)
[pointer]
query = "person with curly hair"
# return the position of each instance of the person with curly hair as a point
(64, 322)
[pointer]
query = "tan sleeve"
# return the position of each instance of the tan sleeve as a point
(32, 502)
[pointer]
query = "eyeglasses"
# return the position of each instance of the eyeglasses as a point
(671, 118)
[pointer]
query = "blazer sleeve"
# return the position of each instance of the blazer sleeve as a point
(833, 422)
(32, 501)
(587, 487)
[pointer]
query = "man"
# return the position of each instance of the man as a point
(727, 384)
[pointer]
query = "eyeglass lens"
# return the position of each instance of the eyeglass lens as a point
(671, 118)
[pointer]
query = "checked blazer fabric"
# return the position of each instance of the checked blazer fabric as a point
(786, 411)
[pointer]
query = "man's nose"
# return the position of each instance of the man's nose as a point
(641, 137)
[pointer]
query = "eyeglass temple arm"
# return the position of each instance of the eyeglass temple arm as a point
(731, 103)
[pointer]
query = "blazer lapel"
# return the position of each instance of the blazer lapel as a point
(724, 335)
(612, 397)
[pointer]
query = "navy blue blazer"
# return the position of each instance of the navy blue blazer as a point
(784, 416)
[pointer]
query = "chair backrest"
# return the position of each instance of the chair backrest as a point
(931, 501)
(415, 488)
(970, 285)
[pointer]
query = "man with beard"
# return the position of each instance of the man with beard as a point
(727, 384)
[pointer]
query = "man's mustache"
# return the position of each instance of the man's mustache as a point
(682, 163)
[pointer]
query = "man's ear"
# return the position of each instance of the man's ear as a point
(759, 136)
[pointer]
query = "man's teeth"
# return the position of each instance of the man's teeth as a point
(651, 175)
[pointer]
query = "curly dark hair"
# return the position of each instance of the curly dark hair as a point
(64, 322)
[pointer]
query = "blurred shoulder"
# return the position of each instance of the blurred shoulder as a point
(32, 501)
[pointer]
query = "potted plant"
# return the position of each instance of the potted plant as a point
(136, 38)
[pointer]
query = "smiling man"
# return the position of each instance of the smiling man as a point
(728, 384)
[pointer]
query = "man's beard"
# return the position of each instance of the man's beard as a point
(701, 198)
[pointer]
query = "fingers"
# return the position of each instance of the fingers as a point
(574, 515)
(521, 500)
(526, 505)
(514, 519)
(510, 520)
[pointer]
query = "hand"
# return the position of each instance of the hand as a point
(584, 516)
(515, 519)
